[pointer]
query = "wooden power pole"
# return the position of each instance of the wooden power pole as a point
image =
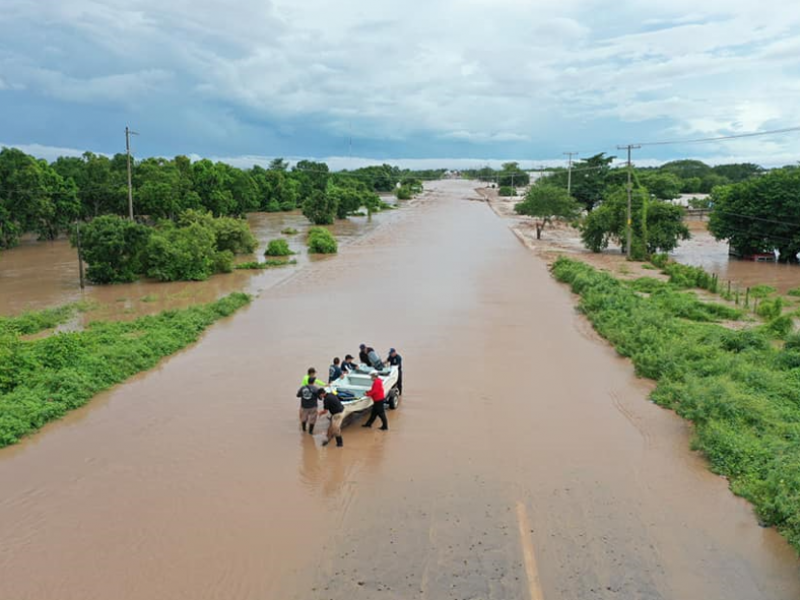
(569, 171)
(629, 147)
(128, 134)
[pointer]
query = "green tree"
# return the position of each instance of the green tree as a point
(590, 179)
(320, 208)
(664, 186)
(546, 203)
(760, 214)
(113, 248)
(181, 253)
(510, 175)
(657, 226)
(321, 241)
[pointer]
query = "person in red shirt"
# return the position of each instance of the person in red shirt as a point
(378, 405)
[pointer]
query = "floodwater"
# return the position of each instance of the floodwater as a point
(38, 275)
(524, 461)
(712, 255)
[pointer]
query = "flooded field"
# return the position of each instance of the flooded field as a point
(704, 251)
(524, 462)
(38, 275)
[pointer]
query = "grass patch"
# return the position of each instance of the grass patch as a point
(41, 380)
(267, 264)
(150, 298)
(739, 388)
(35, 321)
(794, 292)
(289, 231)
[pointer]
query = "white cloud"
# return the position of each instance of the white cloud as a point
(483, 72)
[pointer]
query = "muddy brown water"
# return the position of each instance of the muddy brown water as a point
(712, 255)
(524, 461)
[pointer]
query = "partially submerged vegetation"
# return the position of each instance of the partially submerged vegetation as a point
(267, 264)
(278, 247)
(42, 379)
(192, 248)
(321, 241)
(738, 387)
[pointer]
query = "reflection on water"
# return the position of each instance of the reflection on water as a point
(37, 275)
(712, 255)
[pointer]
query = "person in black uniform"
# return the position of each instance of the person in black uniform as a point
(363, 354)
(396, 360)
(332, 404)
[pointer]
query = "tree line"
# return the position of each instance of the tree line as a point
(46, 198)
(756, 210)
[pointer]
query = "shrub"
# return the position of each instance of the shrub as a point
(113, 248)
(267, 264)
(223, 262)
(794, 292)
(685, 276)
(181, 253)
(770, 308)
(289, 231)
(278, 247)
(229, 233)
(761, 291)
(660, 260)
(321, 241)
(507, 190)
(404, 193)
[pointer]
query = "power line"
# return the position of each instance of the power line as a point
(720, 138)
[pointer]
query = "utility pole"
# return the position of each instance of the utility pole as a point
(128, 134)
(569, 171)
(629, 147)
(80, 254)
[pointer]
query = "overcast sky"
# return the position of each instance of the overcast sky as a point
(417, 79)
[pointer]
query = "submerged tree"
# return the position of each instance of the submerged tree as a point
(760, 214)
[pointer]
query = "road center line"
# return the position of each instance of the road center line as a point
(529, 558)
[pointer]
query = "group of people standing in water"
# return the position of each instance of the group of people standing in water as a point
(313, 391)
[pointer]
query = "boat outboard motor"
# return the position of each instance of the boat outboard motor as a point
(375, 360)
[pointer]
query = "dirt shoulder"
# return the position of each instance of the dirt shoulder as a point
(562, 239)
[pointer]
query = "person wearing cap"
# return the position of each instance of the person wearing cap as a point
(396, 360)
(348, 364)
(332, 405)
(309, 395)
(363, 354)
(378, 403)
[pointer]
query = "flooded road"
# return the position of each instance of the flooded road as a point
(524, 461)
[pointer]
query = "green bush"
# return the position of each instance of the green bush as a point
(794, 292)
(685, 276)
(267, 264)
(660, 260)
(41, 380)
(507, 190)
(229, 233)
(289, 231)
(738, 389)
(181, 253)
(404, 193)
(770, 308)
(321, 241)
(278, 247)
(113, 248)
(223, 262)
(761, 291)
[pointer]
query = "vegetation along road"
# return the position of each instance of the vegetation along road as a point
(525, 462)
